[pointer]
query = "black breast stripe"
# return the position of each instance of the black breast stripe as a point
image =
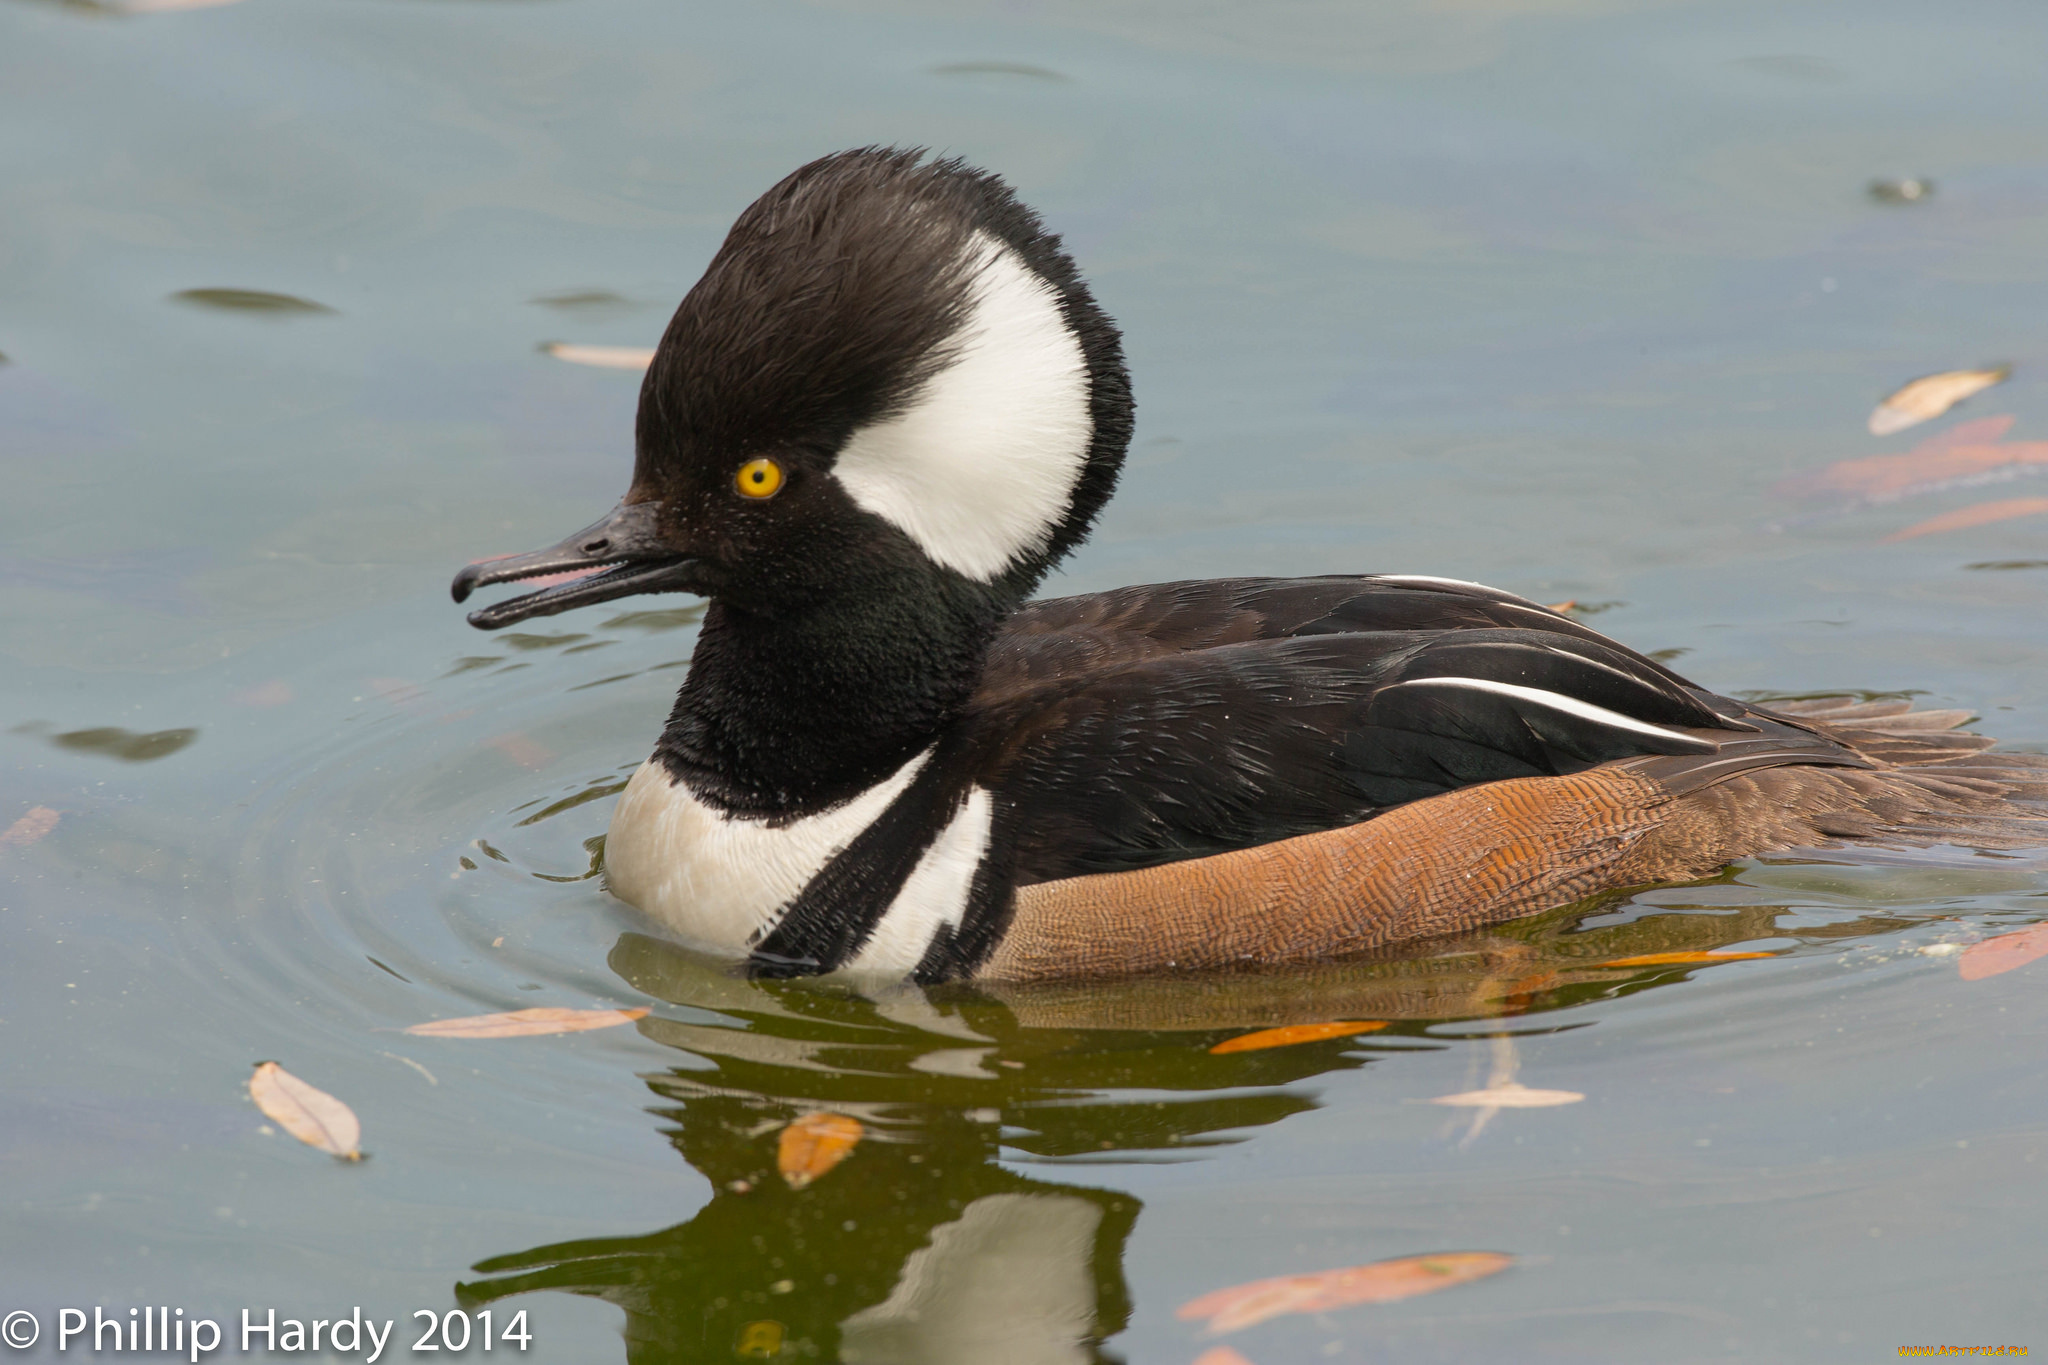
(832, 918)
(955, 953)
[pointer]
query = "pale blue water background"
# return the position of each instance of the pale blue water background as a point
(1549, 295)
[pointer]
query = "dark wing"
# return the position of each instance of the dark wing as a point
(1149, 725)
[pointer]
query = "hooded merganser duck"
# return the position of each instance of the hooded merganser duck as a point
(890, 406)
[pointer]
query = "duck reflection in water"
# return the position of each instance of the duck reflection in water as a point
(928, 1244)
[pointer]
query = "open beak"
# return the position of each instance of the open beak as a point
(618, 556)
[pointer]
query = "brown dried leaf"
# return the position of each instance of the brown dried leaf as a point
(1931, 396)
(1291, 1034)
(1977, 514)
(2002, 954)
(1221, 1355)
(1381, 1282)
(1510, 1095)
(603, 357)
(39, 821)
(527, 1023)
(312, 1116)
(813, 1145)
(1676, 959)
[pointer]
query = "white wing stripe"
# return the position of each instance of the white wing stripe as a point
(1557, 701)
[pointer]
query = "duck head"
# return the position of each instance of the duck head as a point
(891, 379)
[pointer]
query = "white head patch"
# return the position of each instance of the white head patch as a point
(979, 467)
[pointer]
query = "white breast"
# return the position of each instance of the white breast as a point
(717, 879)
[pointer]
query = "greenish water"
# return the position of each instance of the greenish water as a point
(1558, 296)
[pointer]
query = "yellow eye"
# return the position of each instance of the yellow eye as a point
(759, 479)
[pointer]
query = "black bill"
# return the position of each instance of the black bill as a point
(624, 547)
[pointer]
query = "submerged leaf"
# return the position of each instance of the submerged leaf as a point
(1965, 455)
(523, 751)
(1221, 1355)
(1512, 1095)
(1291, 1034)
(1381, 1282)
(603, 357)
(312, 1116)
(166, 6)
(813, 1145)
(2002, 954)
(1930, 396)
(1977, 514)
(1675, 959)
(39, 821)
(527, 1023)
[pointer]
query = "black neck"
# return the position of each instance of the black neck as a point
(786, 715)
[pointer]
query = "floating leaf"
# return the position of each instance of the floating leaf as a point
(39, 821)
(591, 300)
(1296, 1033)
(603, 357)
(1037, 73)
(249, 301)
(527, 1023)
(125, 745)
(312, 1116)
(1512, 1095)
(1221, 1355)
(1381, 1282)
(813, 1145)
(1912, 190)
(2002, 954)
(1674, 959)
(1930, 397)
(1977, 514)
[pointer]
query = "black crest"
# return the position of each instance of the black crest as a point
(836, 295)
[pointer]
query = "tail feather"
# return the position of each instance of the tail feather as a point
(1929, 783)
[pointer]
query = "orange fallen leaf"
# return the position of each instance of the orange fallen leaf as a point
(813, 1145)
(1291, 1034)
(1221, 1355)
(1509, 1095)
(1930, 396)
(2002, 954)
(527, 1023)
(1674, 959)
(1381, 1282)
(312, 1116)
(603, 357)
(1977, 514)
(1569, 604)
(39, 821)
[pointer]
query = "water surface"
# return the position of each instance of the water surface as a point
(1560, 296)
